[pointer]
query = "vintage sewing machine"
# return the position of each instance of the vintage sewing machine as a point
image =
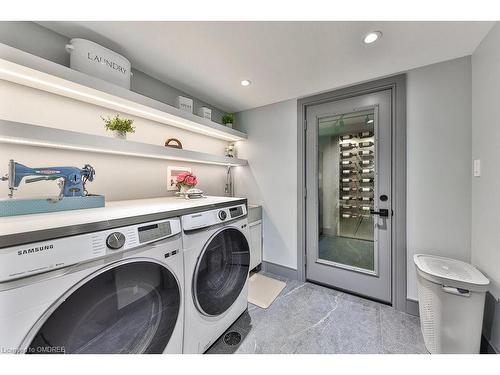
(73, 194)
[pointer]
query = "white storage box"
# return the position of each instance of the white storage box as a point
(95, 60)
(205, 113)
(184, 104)
(451, 297)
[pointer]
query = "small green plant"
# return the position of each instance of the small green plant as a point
(118, 124)
(228, 119)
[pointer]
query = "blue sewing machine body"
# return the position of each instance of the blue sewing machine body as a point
(74, 178)
(73, 195)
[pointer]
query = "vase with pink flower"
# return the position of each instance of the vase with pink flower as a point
(186, 181)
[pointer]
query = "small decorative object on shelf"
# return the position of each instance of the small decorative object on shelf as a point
(186, 181)
(174, 143)
(205, 113)
(231, 151)
(93, 59)
(120, 126)
(228, 120)
(184, 104)
(172, 173)
(192, 193)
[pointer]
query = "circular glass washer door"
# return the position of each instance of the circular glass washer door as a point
(130, 308)
(221, 271)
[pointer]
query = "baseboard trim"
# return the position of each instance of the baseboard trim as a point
(412, 307)
(280, 270)
(486, 347)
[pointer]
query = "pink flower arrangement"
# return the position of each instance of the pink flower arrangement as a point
(186, 179)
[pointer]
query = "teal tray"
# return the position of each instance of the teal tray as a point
(14, 207)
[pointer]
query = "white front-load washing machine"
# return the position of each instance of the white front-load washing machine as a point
(118, 290)
(217, 260)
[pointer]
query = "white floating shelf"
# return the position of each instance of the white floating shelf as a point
(29, 70)
(41, 136)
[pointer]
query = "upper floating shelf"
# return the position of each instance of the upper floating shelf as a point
(41, 136)
(29, 70)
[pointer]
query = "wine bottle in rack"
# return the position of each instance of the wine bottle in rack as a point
(365, 189)
(366, 199)
(347, 146)
(365, 134)
(347, 206)
(345, 137)
(366, 180)
(346, 162)
(348, 198)
(365, 162)
(348, 189)
(365, 208)
(365, 152)
(367, 170)
(347, 180)
(365, 144)
(348, 154)
(348, 215)
(346, 172)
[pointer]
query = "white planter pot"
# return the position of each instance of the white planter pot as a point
(120, 135)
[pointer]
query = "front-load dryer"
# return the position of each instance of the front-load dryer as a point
(217, 260)
(112, 291)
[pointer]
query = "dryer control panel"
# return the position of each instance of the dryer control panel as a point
(208, 218)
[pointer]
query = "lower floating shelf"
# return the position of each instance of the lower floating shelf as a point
(41, 136)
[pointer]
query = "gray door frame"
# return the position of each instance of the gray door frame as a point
(397, 85)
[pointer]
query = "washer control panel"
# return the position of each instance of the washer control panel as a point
(115, 240)
(152, 232)
(30, 259)
(208, 218)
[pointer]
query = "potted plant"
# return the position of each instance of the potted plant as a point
(228, 120)
(120, 126)
(186, 181)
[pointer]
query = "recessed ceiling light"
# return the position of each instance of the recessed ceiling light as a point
(372, 37)
(245, 82)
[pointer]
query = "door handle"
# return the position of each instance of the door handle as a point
(383, 212)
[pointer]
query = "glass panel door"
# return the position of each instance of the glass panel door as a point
(348, 204)
(346, 190)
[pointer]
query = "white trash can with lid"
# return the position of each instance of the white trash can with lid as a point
(451, 297)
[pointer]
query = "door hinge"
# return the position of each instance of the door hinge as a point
(305, 125)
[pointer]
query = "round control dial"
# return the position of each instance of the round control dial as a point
(115, 240)
(222, 215)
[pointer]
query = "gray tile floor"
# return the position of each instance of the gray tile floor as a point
(308, 318)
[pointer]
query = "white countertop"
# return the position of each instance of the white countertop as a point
(113, 210)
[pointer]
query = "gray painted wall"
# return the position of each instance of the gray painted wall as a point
(271, 177)
(38, 40)
(438, 162)
(485, 197)
(439, 148)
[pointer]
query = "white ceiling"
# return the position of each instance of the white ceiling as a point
(282, 59)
